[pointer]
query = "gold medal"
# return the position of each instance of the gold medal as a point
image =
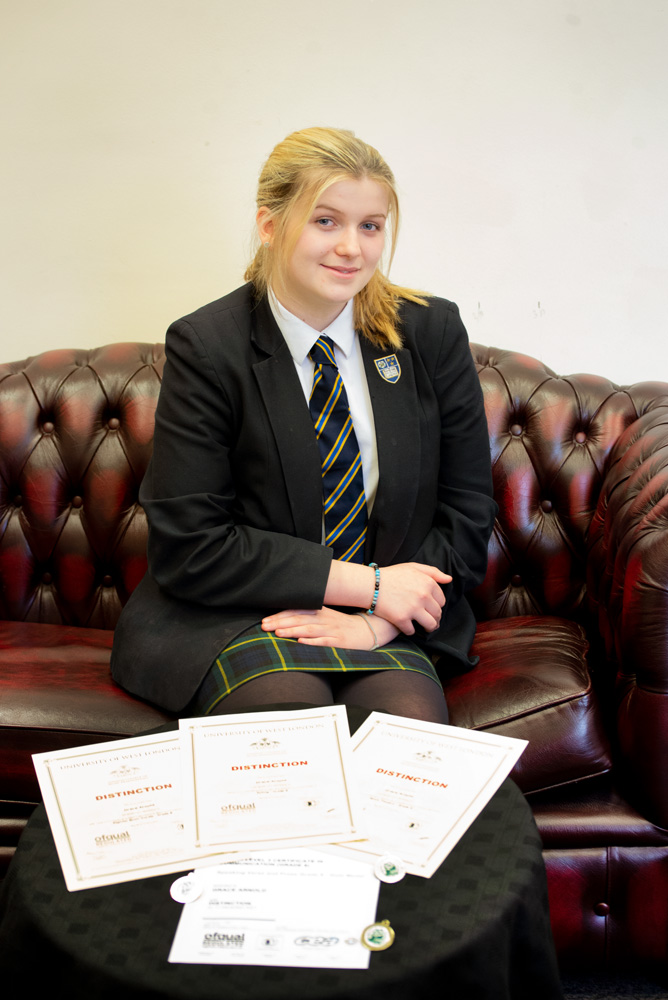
(378, 936)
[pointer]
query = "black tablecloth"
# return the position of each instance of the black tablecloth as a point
(477, 930)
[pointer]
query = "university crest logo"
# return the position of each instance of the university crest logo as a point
(389, 368)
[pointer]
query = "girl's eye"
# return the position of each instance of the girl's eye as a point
(370, 227)
(325, 223)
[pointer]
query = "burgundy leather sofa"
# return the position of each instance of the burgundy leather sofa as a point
(573, 634)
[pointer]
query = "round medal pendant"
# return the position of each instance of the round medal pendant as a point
(389, 869)
(186, 888)
(378, 936)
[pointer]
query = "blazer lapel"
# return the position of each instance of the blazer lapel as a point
(395, 410)
(291, 423)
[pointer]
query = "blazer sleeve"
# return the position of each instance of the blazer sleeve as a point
(196, 551)
(465, 509)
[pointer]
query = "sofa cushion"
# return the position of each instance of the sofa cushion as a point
(532, 682)
(56, 692)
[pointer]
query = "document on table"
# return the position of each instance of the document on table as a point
(121, 810)
(422, 785)
(116, 810)
(264, 780)
(293, 908)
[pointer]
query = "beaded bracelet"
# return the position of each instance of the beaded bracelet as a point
(363, 615)
(376, 588)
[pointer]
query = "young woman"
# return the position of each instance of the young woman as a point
(320, 486)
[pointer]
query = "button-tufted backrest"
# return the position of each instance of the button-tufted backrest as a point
(551, 441)
(75, 438)
(76, 431)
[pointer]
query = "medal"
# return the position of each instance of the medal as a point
(389, 869)
(378, 936)
(186, 888)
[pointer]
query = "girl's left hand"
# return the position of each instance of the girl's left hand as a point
(327, 627)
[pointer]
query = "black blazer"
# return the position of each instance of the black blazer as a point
(233, 493)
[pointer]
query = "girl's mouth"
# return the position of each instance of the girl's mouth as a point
(344, 271)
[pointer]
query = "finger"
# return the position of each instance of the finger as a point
(298, 629)
(434, 599)
(439, 597)
(428, 622)
(283, 617)
(434, 572)
(431, 598)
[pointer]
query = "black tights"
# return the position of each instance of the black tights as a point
(399, 692)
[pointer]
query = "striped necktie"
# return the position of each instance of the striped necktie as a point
(344, 501)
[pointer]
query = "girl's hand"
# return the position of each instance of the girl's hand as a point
(327, 627)
(411, 592)
(408, 592)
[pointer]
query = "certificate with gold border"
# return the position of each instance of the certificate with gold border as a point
(422, 785)
(269, 780)
(116, 810)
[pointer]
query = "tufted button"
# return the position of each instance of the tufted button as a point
(516, 430)
(580, 437)
(546, 505)
(77, 501)
(602, 909)
(47, 578)
(516, 580)
(107, 580)
(47, 427)
(114, 423)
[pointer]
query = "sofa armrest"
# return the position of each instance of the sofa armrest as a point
(627, 583)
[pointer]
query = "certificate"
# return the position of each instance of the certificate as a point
(116, 809)
(292, 908)
(422, 786)
(264, 780)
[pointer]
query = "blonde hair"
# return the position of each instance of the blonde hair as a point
(296, 173)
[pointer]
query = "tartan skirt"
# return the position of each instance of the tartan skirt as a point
(256, 652)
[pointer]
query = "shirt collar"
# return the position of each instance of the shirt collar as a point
(300, 337)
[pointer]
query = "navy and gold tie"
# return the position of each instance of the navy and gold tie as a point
(344, 502)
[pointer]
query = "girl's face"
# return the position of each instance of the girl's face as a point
(337, 251)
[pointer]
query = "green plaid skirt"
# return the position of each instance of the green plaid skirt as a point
(256, 652)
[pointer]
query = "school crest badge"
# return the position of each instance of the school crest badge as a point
(389, 368)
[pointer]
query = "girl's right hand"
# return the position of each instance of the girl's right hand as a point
(411, 592)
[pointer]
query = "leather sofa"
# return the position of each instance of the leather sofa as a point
(573, 613)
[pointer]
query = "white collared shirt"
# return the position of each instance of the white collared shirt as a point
(300, 338)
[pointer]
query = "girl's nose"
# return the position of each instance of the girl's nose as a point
(348, 244)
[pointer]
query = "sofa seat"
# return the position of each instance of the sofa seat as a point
(552, 704)
(601, 819)
(56, 692)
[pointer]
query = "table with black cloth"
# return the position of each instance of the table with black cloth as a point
(477, 930)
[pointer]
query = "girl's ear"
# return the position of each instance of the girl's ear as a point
(265, 225)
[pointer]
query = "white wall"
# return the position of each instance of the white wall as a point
(529, 139)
